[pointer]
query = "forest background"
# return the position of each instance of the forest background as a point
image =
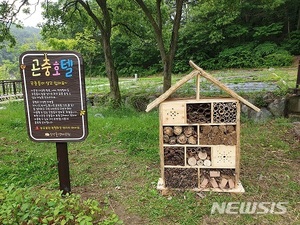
(214, 34)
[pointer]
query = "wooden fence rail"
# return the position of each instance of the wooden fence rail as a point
(10, 89)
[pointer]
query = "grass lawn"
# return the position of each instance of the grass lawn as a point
(118, 165)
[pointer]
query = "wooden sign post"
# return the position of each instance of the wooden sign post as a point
(55, 102)
(63, 167)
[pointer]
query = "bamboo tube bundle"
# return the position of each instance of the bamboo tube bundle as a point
(224, 112)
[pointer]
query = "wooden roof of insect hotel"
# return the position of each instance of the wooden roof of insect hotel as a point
(198, 72)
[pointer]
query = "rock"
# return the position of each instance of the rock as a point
(297, 129)
(269, 97)
(293, 105)
(99, 115)
(159, 89)
(277, 107)
(245, 109)
(152, 98)
(261, 116)
(139, 103)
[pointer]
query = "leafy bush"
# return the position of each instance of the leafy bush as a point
(238, 57)
(31, 207)
(212, 64)
(181, 66)
(292, 44)
(279, 58)
(250, 55)
(265, 49)
(267, 31)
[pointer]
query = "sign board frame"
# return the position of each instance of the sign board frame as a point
(54, 95)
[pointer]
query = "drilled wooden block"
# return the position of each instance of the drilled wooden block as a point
(223, 156)
(173, 113)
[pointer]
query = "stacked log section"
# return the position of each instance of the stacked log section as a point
(183, 135)
(224, 112)
(181, 178)
(198, 113)
(174, 156)
(198, 156)
(217, 178)
(218, 135)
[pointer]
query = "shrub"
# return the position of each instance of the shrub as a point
(252, 55)
(265, 49)
(292, 44)
(238, 57)
(32, 207)
(279, 58)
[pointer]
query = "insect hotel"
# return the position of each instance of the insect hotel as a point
(200, 138)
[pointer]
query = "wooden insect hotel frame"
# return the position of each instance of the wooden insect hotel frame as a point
(200, 138)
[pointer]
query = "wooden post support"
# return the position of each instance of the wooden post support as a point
(222, 86)
(63, 167)
(172, 89)
(298, 79)
(198, 86)
(298, 76)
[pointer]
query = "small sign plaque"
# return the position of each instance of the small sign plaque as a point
(54, 95)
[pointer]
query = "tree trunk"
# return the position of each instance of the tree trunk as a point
(157, 25)
(167, 73)
(104, 25)
(111, 71)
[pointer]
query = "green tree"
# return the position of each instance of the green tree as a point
(87, 46)
(99, 13)
(8, 70)
(205, 31)
(162, 26)
(216, 30)
(132, 41)
(8, 12)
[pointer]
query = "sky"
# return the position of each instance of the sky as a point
(34, 18)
